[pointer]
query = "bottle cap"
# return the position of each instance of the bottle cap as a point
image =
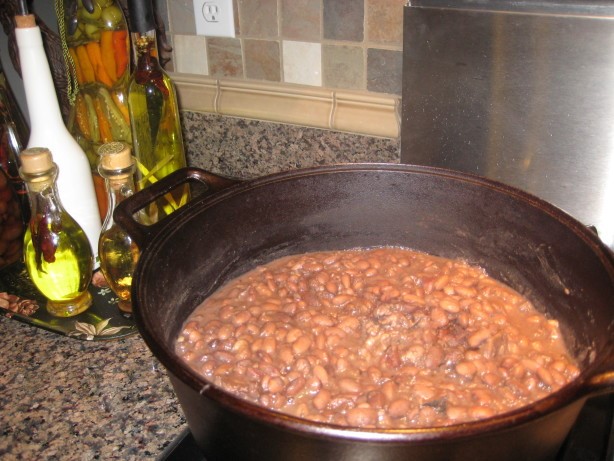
(36, 160)
(115, 156)
(141, 16)
(25, 21)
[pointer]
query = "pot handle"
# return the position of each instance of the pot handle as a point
(602, 380)
(126, 210)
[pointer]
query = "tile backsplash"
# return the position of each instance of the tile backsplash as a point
(338, 44)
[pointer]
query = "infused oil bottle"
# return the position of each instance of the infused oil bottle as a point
(118, 252)
(58, 256)
(98, 57)
(154, 113)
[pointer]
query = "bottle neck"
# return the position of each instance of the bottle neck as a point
(121, 184)
(42, 193)
(37, 182)
(145, 49)
(119, 187)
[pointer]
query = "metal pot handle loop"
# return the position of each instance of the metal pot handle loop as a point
(126, 211)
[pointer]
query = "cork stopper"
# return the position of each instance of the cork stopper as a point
(36, 160)
(115, 156)
(25, 21)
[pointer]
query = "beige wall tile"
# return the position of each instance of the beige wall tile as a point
(181, 17)
(301, 20)
(343, 67)
(302, 63)
(258, 18)
(225, 57)
(385, 21)
(190, 54)
(262, 60)
(328, 45)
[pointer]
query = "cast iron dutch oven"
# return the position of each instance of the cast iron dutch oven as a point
(523, 241)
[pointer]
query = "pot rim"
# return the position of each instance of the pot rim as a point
(573, 392)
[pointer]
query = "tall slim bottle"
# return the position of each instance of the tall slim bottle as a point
(154, 113)
(47, 129)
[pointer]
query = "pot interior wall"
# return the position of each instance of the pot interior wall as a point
(519, 240)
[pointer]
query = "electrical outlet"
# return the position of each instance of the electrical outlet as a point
(214, 18)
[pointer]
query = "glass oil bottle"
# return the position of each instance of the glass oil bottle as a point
(154, 113)
(118, 252)
(58, 256)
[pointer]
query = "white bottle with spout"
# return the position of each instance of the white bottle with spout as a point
(47, 129)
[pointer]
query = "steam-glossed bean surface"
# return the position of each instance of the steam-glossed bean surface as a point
(376, 338)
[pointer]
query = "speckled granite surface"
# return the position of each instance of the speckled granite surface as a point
(66, 399)
(247, 148)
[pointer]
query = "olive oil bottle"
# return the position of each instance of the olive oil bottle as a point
(154, 113)
(118, 252)
(58, 256)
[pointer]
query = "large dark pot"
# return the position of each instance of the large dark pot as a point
(531, 245)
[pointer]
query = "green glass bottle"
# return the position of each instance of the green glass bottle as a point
(154, 113)
(118, 252)
(58, 256)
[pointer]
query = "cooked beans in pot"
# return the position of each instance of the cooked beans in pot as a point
(376, 338)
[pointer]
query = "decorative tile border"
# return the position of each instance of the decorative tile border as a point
(347, 111)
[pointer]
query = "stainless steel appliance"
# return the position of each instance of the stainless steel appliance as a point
(518, 91)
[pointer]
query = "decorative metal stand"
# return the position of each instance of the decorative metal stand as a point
(20, 300)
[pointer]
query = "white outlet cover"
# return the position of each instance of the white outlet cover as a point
(214, 18)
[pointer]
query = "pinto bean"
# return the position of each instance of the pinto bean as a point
(398, 408)
(295, 386)
(361, 417)
(349, 385)
(301, 345)
(479, 337)
(320, 372)
(466, 369)
(321, 399)
(449, 304)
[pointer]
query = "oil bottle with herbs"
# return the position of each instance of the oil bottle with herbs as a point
(58, 256)
(98, 52)
(154, 113)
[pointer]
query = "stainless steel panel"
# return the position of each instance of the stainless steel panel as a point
(521, 96)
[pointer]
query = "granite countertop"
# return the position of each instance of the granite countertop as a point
(65, 398)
